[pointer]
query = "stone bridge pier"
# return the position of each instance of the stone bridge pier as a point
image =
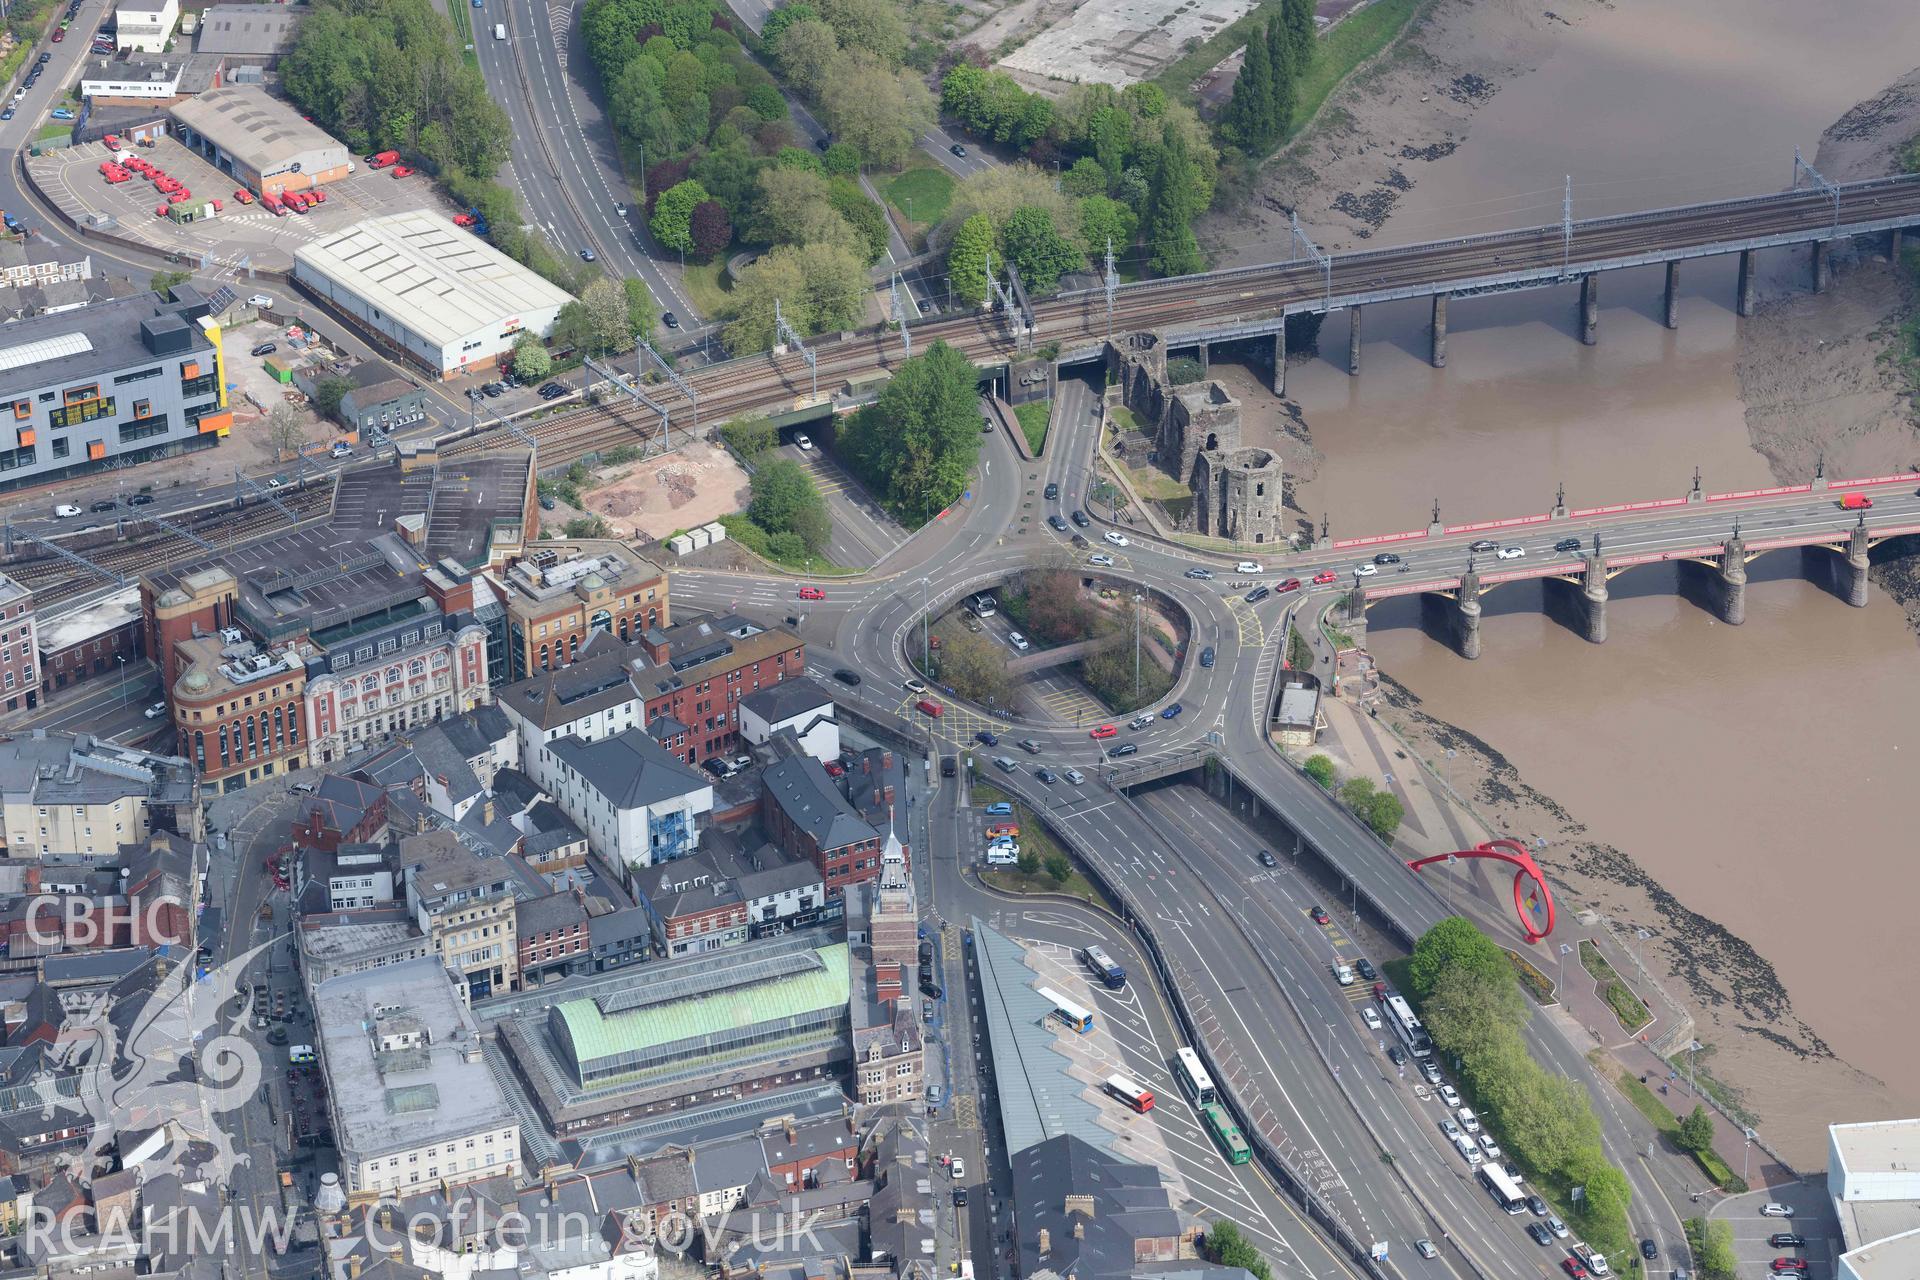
(1842, 570)
(1582, 603)
(1455, 621)
(1725, 584)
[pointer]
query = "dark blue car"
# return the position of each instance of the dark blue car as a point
(1172, 711)
(989, 737)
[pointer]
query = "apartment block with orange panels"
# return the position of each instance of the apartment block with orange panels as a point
(109, 384)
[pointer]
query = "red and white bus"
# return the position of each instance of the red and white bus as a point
(1127, 1091)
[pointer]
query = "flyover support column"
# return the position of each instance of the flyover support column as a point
(1853, 577)
(1593, 593)
(1733, 582)
(1821, 270)
(1673, 295)
(1590, 308)
(1893, 246)
(1203, 357)
(1467, 622)
(1280, 360)
(1439, 330)
(1353, 341)
(1743, 295)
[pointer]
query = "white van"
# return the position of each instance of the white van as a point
(1469, 1150)
(499, 31)
(1004, 855)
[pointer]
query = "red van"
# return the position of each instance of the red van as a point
(1856, 502)
(928, 707)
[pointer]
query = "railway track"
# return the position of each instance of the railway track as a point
(53, 579)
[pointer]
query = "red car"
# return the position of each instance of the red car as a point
(59, 35)
(1325, 576)
(463, 219)
(243, 195)
(1291, 584)
(1320, 916)
(112, 141)
(835, 769)
(1789, 1266)
(812, 593)
(402, 171)
(1103, 731)
(1573, 1269)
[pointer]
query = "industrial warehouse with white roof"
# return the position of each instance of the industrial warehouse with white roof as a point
(450, 300)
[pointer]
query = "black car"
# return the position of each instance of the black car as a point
(264, 348)
(1047, 776)
(45, 57)
(1079, 517)
(587, 255)
(1787, 1240)
(1386, 557)
(1483, 544)
(958, 150)
(105, 504)
(1649, 1250)
(988, 737)
(1056, 524)
(1124, 749)
(1536, 1206)
(493, 391)
(959, 1197)
(1364, 967)
(546, 503)
(669, 319)
(552, 391)
(1052, 492)
(1567, 544)
(823, 143)
(846, 677)
(1267, 859)
(931, 990)
(1539, 1232)
(139, 499)
(1029, 746)
(1206, 656)
(1258, 594)
(1394, 1055)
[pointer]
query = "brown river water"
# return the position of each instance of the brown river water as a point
(1758, 772)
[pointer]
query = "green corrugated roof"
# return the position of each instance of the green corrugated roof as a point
(596, 1035)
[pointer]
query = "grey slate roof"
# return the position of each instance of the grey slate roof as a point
(551, 914)
(1129, 1204)
(626, 925)
(795, 874)
(630, 769)
(720, 1165)
(595, 681)
(794, 696)
(800, 786)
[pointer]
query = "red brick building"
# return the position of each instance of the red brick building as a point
(808, 817)
(698, 671)
(795, 1149)
(92, 641)
(553, 937)
(693, 906)
(19, 655)
(340, 811)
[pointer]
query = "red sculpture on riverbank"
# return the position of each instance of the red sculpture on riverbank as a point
(1527, 904)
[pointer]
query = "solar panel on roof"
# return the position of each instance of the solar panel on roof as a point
(26, 353)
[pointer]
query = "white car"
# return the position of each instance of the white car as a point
(1343, 974)
(1448, 1127)
(66, 511)
(260, 302)
(1100, 558)
(155, 711)
(1117, 539)
(913, 686)
(1364, 571)
(1371, 1018)
(1556, 1226)
(1511, 553)
(1075, 777)
(802, 440)
(1773, 1209)
(275, 483)
(1488, 1145)
(1468, 1121)
(1449, 1095)
(1248, 566)
(1018, 641)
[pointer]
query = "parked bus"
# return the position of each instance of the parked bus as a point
(1233, 1144)
(1505, 1191)
(1127, 1091)
(1193, 1077)
(1408, 1027)
(1067, 1011)
(1102, 967)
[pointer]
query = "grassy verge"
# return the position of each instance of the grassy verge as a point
(1034, 417)
(1351, 42)
(463, 31)
(1034, 837)
(61, 129)
(1149, 481)
(1627, 1007)
(921, 193)
(1662, 1118)
(755, 539)
(705, 284)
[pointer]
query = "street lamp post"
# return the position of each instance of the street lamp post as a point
(123, 680)
(1642, 935)
(1693, 1047)
(1745, 1155)
(1564, 949)
(926, 660)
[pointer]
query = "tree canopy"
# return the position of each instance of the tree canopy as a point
(917, 444)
